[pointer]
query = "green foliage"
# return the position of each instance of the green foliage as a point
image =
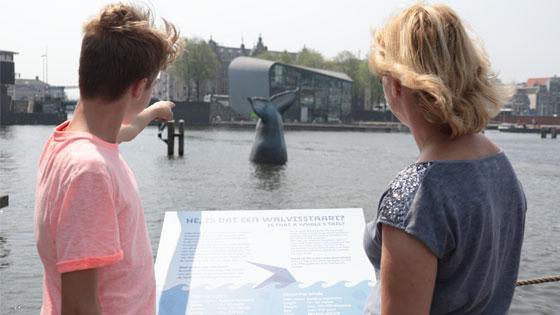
(372, 82)
(311, 58)
(254, 116)
(197, 64)
(284, 57)
(348, 63)
(266, 55)
(345, 62)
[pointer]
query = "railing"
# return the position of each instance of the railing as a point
(537, 280)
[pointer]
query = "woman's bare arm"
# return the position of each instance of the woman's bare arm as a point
(79, 293)
(408, 272)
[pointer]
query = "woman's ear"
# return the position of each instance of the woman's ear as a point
(396, 87)
(393, 89)
(138, 88)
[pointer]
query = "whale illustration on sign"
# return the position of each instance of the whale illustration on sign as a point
(269, 146)
(281, 276)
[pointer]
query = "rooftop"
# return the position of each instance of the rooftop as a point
(531, 82)
(257, 63)
(35, 82)
(5, 52)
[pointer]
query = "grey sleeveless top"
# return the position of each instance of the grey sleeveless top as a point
(471, 215)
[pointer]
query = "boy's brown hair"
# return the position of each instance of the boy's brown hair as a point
(120, 46)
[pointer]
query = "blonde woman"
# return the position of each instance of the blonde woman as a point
(449, 228)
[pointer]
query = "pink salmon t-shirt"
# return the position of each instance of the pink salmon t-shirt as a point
(88, 214)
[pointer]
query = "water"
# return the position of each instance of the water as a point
(325, 169)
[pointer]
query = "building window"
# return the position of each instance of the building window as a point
(6, 57)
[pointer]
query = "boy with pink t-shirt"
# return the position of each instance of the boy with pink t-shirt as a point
(89, 221)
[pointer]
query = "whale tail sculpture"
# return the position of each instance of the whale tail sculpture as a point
(269, 146)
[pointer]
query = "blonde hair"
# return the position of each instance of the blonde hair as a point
(429, 51)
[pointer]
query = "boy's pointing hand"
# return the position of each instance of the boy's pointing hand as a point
(163, 110)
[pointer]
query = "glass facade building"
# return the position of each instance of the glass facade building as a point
(324, 96)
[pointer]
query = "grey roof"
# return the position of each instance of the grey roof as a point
(251, 63)
(329, 73)
(8, 52)
(30, 82)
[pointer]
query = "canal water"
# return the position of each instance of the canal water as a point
(325, 170)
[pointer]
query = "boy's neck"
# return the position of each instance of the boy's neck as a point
(99, 118)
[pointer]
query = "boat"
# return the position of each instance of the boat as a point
(507, 127)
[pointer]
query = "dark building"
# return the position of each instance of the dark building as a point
(324, 96)
(537, 96)
(24, 102)
(227, 54)
(7, 78)
(547, 96)
(28, 89)
(519, 104)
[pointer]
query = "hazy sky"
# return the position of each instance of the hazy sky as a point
(522, 37)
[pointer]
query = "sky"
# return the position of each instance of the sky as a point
(522, 38)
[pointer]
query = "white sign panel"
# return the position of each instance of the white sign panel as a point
(263, 262)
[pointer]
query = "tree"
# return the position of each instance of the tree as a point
(311, 58)
(197, 65)
(266, 55)
(179, 69)
(348, 63)
(364, 80)
(377, 94)
(284, 57)
(371, 83)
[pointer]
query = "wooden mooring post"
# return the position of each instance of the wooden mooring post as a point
(4, 200)
(171, 138)
(172, 126)
(545, 131)
(181, 137)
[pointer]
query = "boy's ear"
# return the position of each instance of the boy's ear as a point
(138, 87)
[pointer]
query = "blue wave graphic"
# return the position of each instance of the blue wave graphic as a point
(271, 299)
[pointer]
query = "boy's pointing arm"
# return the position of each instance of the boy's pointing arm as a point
(160, 110)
